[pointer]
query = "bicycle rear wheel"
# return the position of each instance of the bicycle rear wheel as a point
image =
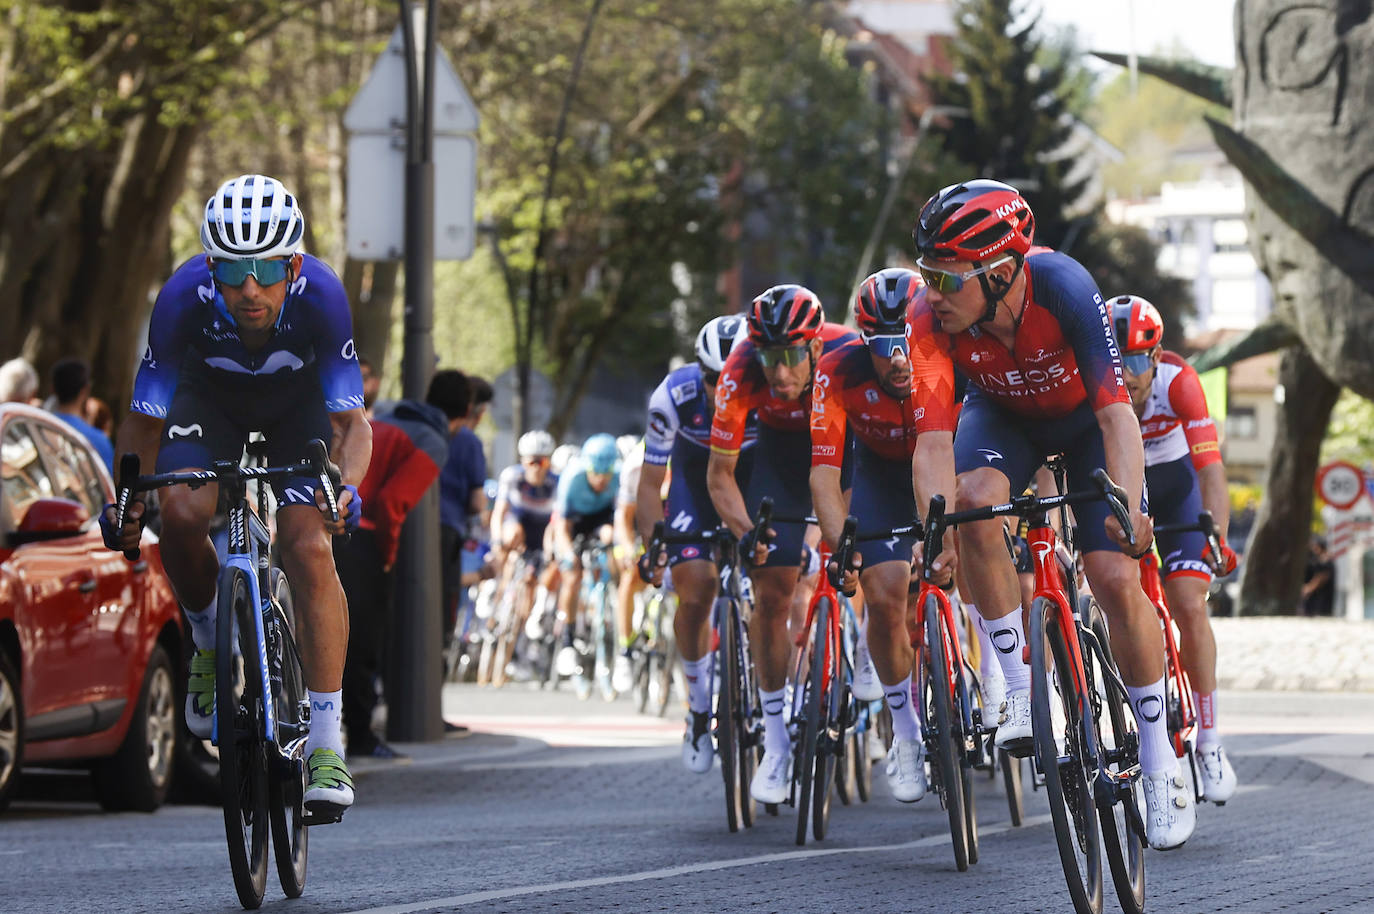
(727, 714)
(286, 781)
(238, 723)
(1057, 722)
(1123, 842)
(947, 757)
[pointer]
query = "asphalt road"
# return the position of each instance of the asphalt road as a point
(551, 804)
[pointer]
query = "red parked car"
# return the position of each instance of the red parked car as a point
(90, 644)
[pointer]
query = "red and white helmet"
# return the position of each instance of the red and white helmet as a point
(1136, 324)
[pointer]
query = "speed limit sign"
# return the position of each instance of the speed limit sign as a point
(1341, 484)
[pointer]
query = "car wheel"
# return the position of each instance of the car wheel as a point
(11, 729)
(139, 775)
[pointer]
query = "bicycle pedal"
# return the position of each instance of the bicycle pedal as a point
(323, 814)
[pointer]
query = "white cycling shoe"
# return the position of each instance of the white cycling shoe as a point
(773, 778)
(994, 692)
(1217, 776)
(567, 664)
(1014, 725)
(697, 752)
(622, 677)
(906, 769)
(1169, 812)
(865, 686)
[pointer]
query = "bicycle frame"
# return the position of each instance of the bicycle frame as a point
(954, 667)
(1151, 580)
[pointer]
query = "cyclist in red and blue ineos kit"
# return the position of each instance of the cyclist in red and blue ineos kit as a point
(770, 374)
(679, 430)
(1184, 474)
(864, 390)
(1033, 335)
(254, 336)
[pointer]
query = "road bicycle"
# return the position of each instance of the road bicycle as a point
(737, 721)
(653, 651)
(594, 636)
(1178, 690)
(259, 675)
(503, 630)
(950, 721)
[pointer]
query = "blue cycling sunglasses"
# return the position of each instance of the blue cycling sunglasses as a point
(886, 345)
(235, 273)
(1136, 363)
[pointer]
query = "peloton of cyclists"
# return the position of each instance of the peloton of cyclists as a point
(1033, 335)
(254, 336)
(1184, 475)
(771, 374)
(678, 431)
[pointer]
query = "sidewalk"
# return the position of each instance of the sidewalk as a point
(1290, 653)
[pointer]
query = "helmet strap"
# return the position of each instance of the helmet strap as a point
(995, 289)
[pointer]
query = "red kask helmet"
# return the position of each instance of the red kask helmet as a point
(785, 315)
(884, 299)
(1136, 323)
(974, 221)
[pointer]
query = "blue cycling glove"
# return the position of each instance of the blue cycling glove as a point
(355, 510)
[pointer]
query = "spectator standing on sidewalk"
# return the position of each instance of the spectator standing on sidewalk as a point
(71, 387)
(18, 382)
(409, 447)
(1319, 586)
(451, 392)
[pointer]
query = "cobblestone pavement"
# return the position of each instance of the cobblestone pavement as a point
(607, 820)
(1295, 654)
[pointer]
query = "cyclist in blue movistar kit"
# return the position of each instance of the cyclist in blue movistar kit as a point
(584, 505)
(254, 336)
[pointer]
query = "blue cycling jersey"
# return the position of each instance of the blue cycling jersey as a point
(576, 498)
(680, 421)
(190, 327)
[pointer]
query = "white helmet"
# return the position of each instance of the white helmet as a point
(252, 216)
(536, 443)
(717, 338)
(563, 455)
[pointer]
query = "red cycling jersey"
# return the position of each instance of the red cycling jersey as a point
(1176, 420)
(743, 389)
(847, 394)
(1063, 355)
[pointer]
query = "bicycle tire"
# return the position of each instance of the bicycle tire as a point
(1011, 783)
(1066, 784)
(1125, 846)
(242, 763)
(667, 654)
(829, 744)
(947, 754)
(286, 782)
(863, 765)
(727, 710)
(963, 723)
(603, 636)
(747, 716)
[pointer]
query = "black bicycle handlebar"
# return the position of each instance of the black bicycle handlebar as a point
(1208, 528)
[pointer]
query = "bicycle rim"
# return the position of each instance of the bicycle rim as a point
(1124, 845)
(727, 714)
(286, 782)
(242, 763)
(1056, 721)
(946, 757)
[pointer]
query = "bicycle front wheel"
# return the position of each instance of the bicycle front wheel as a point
(286, 783)
(1123, 842)
(238, 724)
(727, 713)
(1057, 722)
(948, 744)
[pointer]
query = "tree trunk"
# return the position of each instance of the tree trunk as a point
(371, 289)
(1277, 552)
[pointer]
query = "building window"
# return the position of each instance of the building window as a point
(1241, 423)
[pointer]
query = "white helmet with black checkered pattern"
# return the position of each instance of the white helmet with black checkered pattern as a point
(252, 216)
(717, 338)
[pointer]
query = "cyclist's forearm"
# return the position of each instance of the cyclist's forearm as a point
(932, 469)
(828, 500)
(648, 503)
(1124, 449)
(725, 493)
(352, 445)
(140, 434)
(1215, 497)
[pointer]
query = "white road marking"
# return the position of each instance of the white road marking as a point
(675, 871)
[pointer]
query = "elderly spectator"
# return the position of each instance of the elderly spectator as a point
(18, 382)
(71, 388)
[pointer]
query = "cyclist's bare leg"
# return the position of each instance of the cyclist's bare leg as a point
(768, 629)
(695, 585)
(1197, 646)
(1136, 643)
(993, 587)
(188, 554)
(308, 560)
(889, 641)
(630, 584)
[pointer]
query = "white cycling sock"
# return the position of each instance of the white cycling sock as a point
(326, 719)
(1008, 637)
(988, 666)
(698, 675)
(905, 723)
(1208, 736)
(775, 737)
(1156, 751)
(203, 625)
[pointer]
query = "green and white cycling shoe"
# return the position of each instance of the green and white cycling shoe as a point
(330, 789)
(200, 694)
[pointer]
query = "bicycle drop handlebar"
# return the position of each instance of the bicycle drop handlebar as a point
(317, 464)
(1208, 528)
